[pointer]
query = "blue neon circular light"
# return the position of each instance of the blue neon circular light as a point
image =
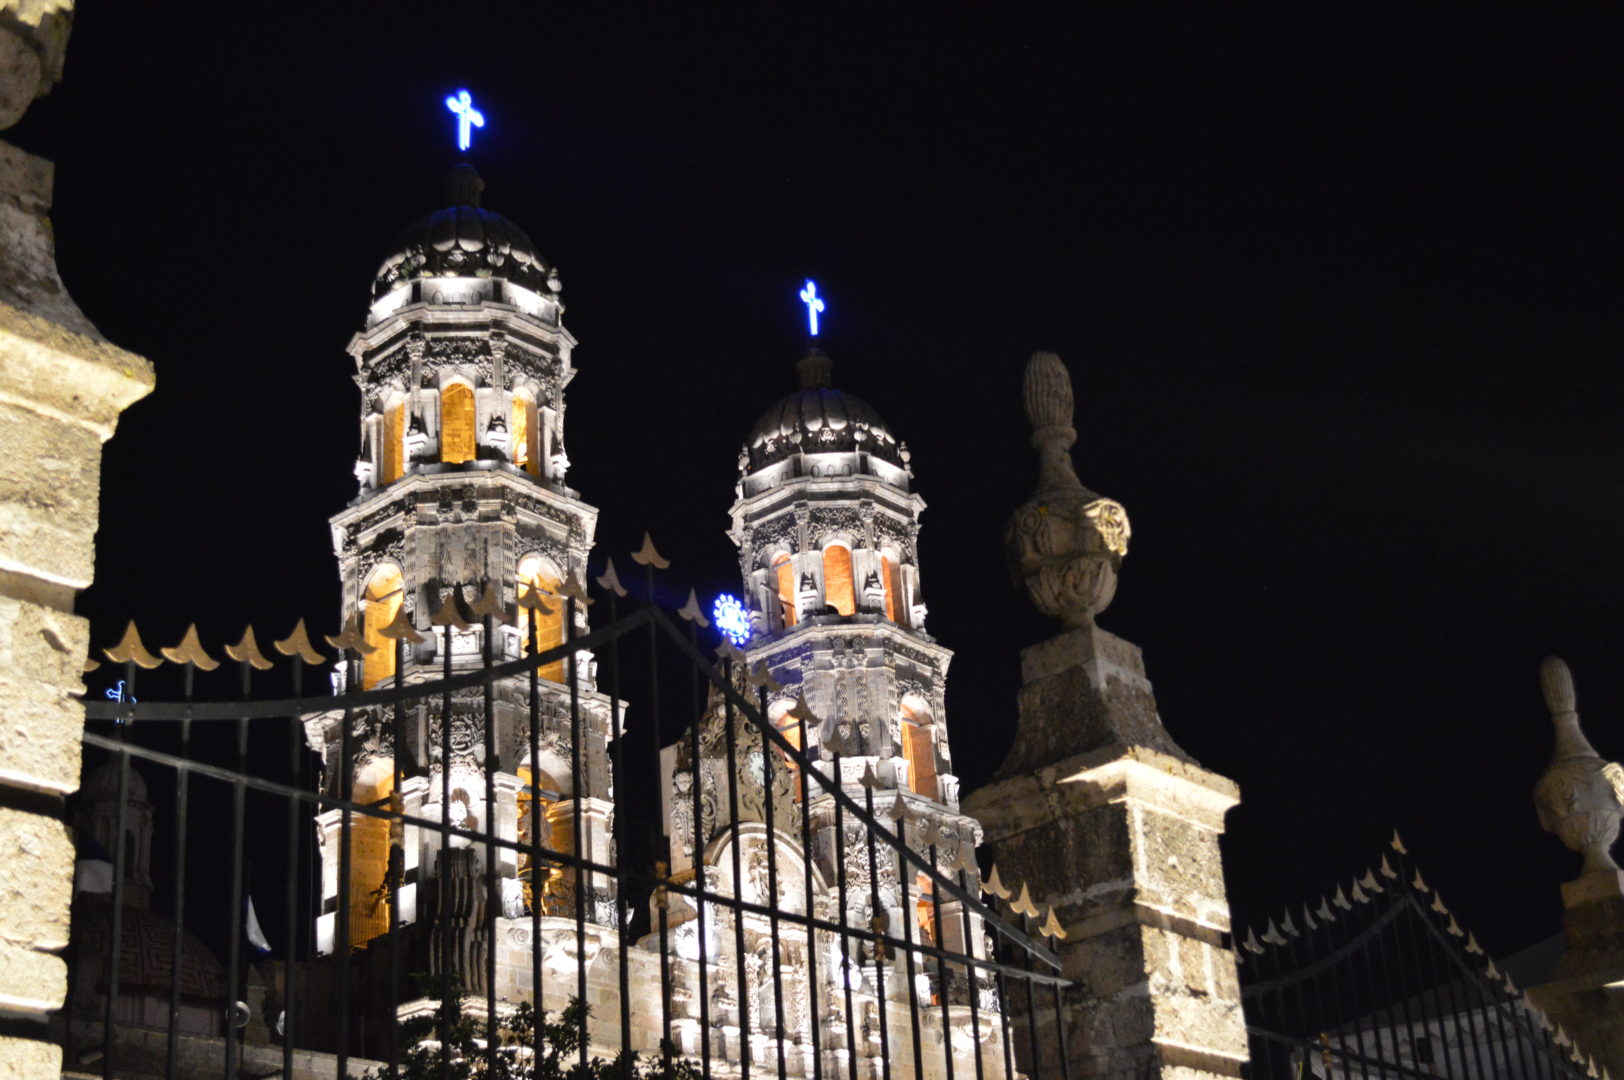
(731, 619)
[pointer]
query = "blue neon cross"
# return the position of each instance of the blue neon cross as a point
(809, 297)
(468, 117)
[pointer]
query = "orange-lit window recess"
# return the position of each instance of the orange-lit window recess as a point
(394, 442)
(837, 587)
(790, 728)
(536, 573)
(369, 856)
(925, 910)
(919, 747)
(536, 800)
(526, 435)
(457, 424)
(888, 577)
(380, 604)
(786, 588)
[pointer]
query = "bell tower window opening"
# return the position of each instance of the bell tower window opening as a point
(919, 748)
(790, 728)
(537, 573)
(380, 604)
(925, 911)
(392, 458)
(888, 578)
(536, 801)
(369, 855)
(784, 570)
(457, 443)
(837, 584)
(526, 434)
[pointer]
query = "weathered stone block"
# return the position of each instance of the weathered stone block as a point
(48, 495)
(23, 1059)
(30, 980)
(36, 879)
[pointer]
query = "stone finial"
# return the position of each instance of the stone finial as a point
(463, 185)
(815, 370)
(1066, 544)
(1581, 797)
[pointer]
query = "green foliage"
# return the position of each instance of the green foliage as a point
(528, 1046)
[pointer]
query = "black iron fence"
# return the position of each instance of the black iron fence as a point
(823, 928)
(1377, 981)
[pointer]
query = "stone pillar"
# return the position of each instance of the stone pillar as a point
(1581, 799)
(1099, 812)
(61, 391)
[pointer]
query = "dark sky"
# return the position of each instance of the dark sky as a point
(1338, 292)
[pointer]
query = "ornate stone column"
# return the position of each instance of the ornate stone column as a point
(61, 391)
(1099, 811)
(1580, 798)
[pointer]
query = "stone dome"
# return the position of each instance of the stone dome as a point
(102, 784)
(464, 240)
(148, 940)
(819, 419)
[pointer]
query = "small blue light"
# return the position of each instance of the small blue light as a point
(118, 693)
(731, 619)
(468, 117)
(809, 297)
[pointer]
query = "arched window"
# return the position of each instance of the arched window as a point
(919, 747)
(457, 423)
(537, 573)
(785, 572)
(380, 604)
(526, 435)
(393, 457)
(369, 855)
(538, 796)
(888, 577)
(837, 589)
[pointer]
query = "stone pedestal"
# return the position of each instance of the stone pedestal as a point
(61, 391)
(1102, 815)
(1586, 992)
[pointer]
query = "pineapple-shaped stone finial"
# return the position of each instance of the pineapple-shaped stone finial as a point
(1581, 797)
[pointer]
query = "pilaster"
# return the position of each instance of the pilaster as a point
(62, 389)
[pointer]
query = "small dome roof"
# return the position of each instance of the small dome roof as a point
(148, 939)
(103, 784)
(464, 240)
(819, 419)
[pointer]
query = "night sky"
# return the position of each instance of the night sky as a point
(1338, 292)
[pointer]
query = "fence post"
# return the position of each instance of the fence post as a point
(1100, 812)
(61, 391)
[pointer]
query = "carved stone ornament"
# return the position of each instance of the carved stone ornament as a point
(1065, 544)
(1581, 797)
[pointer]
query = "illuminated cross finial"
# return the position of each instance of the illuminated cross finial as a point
(468, 117)
(809, 297)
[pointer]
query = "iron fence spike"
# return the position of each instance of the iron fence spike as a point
(1418, 884)
(870, 780)
(647, 556)
(1325, 912)
(1370, 883)
(1387, 870)
(349, 636)
(1398, 844)
(1491, 971)
(1288, 926)
(1454, 929)
(400, 628)
(1438, 904)
(572, 589)
(489, 603)
(1023, 904)
(298, 644)
(729, 651)
(1340, 899)
(800, 710)
(1271, 934)
(1051, 927)
(1472, 946)
(190, 651)
(90, 665)
(1250, 944)
(609, 581)
(692, 612)
(449, 613)
(530, 599)
(1308, 919)
(761, 676)
(247, 651)
(994, 885)
(130, 650)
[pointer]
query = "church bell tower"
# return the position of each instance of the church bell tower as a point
(462, 510)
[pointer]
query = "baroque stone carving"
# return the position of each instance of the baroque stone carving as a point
(1580, 798)
(1066, 543)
